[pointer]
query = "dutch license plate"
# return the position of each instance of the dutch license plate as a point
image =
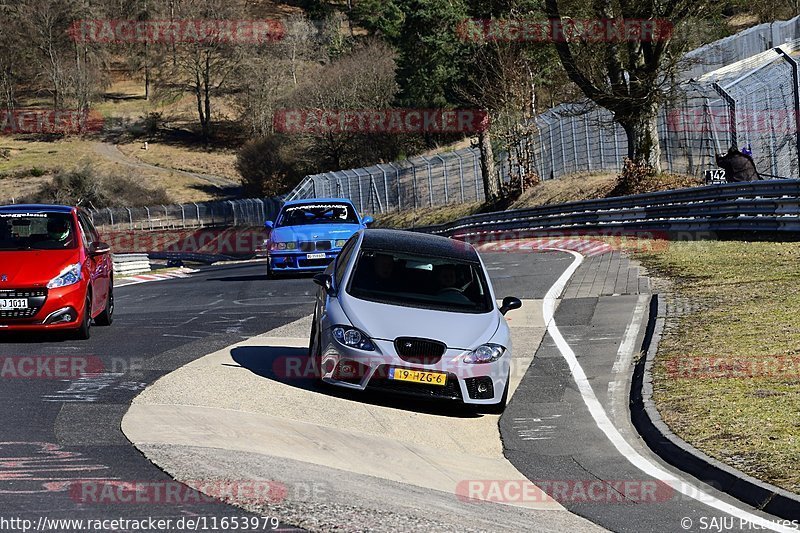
(15, 303)
(418, 376)
(315, 256)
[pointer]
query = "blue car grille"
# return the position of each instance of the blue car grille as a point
(313, 246)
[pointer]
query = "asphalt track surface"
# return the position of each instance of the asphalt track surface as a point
(56, 431)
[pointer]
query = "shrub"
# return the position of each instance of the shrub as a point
(269, 165)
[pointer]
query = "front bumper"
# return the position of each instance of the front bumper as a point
(294, 261)
(478, 384)
(71, 298)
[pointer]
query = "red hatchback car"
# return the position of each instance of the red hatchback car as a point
(55, 274)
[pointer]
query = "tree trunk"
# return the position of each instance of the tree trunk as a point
(642, 133)
(491, 188)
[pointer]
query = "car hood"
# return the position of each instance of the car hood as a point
(380, 321)
(33, 268)
(314, 232)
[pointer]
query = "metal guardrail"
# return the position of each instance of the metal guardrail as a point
(772, 206)
(130, 264)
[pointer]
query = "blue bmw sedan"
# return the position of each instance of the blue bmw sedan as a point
(308, 234)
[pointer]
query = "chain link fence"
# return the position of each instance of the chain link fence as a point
(247, 212)
(424, 181)
(740, 90)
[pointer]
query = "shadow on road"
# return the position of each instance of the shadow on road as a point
(293, 367)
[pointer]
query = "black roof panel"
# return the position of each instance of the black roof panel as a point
(418, 243)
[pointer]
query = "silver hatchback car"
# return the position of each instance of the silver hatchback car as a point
(414, 314)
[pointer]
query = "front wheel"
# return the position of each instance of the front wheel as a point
(84, 330)
(314, 352)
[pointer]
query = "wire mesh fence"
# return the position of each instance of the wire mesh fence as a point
(741, 90)
(246, 212)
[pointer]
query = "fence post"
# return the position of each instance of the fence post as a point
(130, 216)
(397, 184)
(795, 88)
(444, 167)
(476, 171)
(197, 208)
(385, 186)
(183, 216)
(233, 211)
(110, 214)
(588, 146)
(460, 174)
(430, 180)
(731, 111)
(414, 176)
(149, 220)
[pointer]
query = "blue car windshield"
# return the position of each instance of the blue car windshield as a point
(418, 281)
(36, 231)
(328, 213)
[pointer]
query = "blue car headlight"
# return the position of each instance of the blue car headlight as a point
(69, 276)
(283, 246)
(485, 353)
(353, 338)
(340, 243)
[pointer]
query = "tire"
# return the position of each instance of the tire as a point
(314, 351)
(270, 273)
(106, 318)
(84, 330)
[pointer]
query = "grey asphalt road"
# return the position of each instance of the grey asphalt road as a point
(56, 431)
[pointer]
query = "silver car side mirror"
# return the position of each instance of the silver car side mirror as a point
(326, 282)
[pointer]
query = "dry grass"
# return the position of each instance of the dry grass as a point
(217, 161)
(567, 189)
(750, 313)
(427, 216)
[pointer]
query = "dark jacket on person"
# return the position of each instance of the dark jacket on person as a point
(738, 166)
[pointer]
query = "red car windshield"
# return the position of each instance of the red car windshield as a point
(36, 231)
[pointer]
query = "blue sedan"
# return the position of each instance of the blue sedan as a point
(308, 234)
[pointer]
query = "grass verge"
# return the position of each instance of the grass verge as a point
(727, 374)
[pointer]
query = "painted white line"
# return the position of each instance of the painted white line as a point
(612, 433)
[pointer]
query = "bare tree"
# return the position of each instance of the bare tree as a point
(629, 77)
(205, 67)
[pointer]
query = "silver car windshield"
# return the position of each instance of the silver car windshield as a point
(418, 281)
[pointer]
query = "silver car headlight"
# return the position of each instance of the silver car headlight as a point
(485, 353)
(350, 336)
(69, 276)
